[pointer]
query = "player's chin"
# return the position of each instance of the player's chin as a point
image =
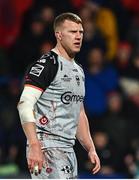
(76, 50)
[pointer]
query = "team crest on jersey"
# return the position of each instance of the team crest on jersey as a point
(43, 120)
(36, 70)
(66, 78)
(77, 79)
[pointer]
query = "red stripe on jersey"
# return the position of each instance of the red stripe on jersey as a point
(29, 85)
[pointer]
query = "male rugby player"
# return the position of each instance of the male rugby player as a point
(51, 106)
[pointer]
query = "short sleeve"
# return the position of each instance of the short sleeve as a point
(41, 73)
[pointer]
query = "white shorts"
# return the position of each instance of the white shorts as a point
(60, 165)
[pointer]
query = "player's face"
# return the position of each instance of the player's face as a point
(71, 36)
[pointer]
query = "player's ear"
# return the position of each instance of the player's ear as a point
(58, 35)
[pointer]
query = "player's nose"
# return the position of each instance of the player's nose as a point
(78, 35)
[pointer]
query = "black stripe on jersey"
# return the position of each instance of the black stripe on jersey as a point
(61, 68)
(79, 64)
(42, 72)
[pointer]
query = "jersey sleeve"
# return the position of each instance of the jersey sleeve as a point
(41, 73)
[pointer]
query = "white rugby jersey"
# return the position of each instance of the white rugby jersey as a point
(57, 110)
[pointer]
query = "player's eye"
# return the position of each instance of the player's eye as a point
(81, 32)
(73, 31)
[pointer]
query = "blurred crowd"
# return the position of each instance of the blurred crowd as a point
(110, 59)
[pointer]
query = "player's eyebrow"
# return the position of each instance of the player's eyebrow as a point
(81, 31)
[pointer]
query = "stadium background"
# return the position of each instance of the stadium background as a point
(110, 58)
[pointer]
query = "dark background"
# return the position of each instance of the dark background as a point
(110, 59)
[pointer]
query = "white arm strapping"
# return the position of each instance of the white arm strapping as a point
(26, 104)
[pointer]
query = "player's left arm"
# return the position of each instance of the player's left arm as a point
(84, 137)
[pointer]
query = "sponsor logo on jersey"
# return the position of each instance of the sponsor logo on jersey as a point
(42, 60)
(66, 78)
(77, 79)
(67, 169)
(75, 70)
(68, 97)
(36, 70)
(43, 120)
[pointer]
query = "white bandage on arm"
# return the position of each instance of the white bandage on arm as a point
(26, 104)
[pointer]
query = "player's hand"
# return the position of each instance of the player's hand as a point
(94, 160)
(35, 158)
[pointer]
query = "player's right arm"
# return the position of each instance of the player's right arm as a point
(37, 79)
(29, 97)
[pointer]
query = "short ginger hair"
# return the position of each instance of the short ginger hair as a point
(66, 16)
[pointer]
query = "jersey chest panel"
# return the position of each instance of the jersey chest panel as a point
(68, 85)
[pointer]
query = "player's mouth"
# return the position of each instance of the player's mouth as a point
(77, 44)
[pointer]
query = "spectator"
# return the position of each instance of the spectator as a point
(123, 57)
(92, 36)
(12, 12)
(133, 33)
(106, 153)
(101, 79)
(27, 46)
(116, 124)
(105, 19)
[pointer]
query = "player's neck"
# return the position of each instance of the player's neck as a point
(62, 52)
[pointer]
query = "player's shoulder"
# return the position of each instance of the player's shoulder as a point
(46, 63)
(79, 66)
(43, 71)
(48, 58)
